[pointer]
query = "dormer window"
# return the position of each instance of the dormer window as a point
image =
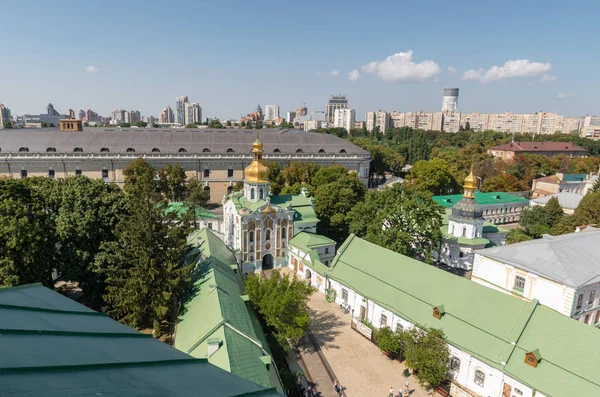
(299, 151)
(78, 150)
(51, 150)
(230, 150)
(343, 151)
(23, 149)
(182, 150)
(439, 311)
(104, 150)
(130, 150)
(276, 151)
(533, 358)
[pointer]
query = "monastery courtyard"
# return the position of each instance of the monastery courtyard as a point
(356, 362)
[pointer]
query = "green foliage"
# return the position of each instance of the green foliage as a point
(517, 236)
(433, 176)
(127, 125)
(538, 220)
(239, 186)
(27, 236)
(150, 263)
(215, 124)
(389, 341)
(596, 186)
(588, 210)
(282, 303)
(427, 354)
(567, 224)
(337, 131)
(172, 182)
(400, 218)
(503, 183)
(191, 125)
(7, 125)
(140, 124)
(195, 196)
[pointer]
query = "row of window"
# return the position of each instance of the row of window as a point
(502, 210)
(267, 234)
(157, 150)
(590, 300)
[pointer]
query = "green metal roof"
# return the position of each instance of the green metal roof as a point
(492, 326)
(301, 204)
(217, 308)
(182, 208)
(491, 198)
(574, 177)
(307, 241)
(51, 346)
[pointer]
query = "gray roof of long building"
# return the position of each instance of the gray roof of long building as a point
(171, 140)
(570, 259)
(51, 346)
(565, 199)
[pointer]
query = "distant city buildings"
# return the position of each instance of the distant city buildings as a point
(257, 115)
(192, 114)
(344, 118)
(51, 111)
(118, 115)
(450, 100)
(301, 111)
(311, 125)
(166, 115)
(379, 119)
(335, 102)
(71, 113)
(290, 117)
(91, 116)
(4, 115)
(81, 114)
(135, 116)
(271, 112)
(149, 119)
(509, 151)
(180, 109)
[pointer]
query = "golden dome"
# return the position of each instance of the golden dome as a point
(470, 185)
(256, 172)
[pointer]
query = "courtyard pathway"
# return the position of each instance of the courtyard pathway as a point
(356, 362)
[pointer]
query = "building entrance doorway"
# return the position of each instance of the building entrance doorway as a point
(267, 262)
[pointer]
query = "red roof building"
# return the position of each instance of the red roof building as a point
(508, 151)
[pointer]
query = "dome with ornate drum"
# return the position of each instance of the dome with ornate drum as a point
(256, 172)
(467, 207)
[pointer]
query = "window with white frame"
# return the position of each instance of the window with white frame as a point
(399, 326)
(517, 392)
(383, 321)
(579, 301)
(591, 300)
(454, 363)
(519, 283)
(479, 378)
(345, 295)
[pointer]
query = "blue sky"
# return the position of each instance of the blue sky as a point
(231, 55)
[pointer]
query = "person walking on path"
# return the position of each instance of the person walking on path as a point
(391, 391)
(406, 389)
(336, 387)
(399, 392)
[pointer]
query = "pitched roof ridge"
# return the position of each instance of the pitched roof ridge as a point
(128, 364)
(219, 323)
(46, 310)
(78, 333)
(525, 316)
(23, 286)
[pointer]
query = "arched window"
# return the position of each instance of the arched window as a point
(343, 151)
(268, 235)
(182, 150)
(252, 194)
(130, 150)
(155, 150)
(399, 327)
(51, 150)
(283, 232)
(207, 192)
(276, 151)
(260, 194)
(23, 149)
(299, 151)
(464, 232)
(251, 236)
(205, 150)
(206, 173)
(479, 378)
(454, 363)
(461, 255)
(321, 150)
(78, 150)
(230, 150)
(104, 150)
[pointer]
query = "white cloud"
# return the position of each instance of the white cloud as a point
(563, 95)
(335, 72)
(91, 69)
(547, 78)
(514, 68)
(353, 75)
(451, 69)
(400, 67)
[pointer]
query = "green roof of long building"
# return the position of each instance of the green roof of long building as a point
(53, 347)
(481, 198)
(217, 311)
(495, 328)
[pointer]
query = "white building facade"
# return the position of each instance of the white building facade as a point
(271, 112)
(344, 118)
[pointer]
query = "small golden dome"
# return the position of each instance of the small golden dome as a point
(470, 185)
(256, 172)
(269, 210)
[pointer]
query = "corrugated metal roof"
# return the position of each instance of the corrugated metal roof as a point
(570, 259)
(565, 199)
(145, 140)
(51, 346)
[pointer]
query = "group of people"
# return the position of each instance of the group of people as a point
(338, 388)
(406, 392)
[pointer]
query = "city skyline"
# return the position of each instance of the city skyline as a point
(530, 67)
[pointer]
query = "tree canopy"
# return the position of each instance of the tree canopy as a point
(427, 353)
(433, 176)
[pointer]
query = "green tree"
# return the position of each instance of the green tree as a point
(502, 183)
(191, 125)
(172, 182)
(390, 342)
(588, 210)
(228, 123)
(433, 176)
(215, 124)
(538, 221)
(555, 211)
(27, 236)
(517, 236)
(195, 197)
(399, 218)
(427, 354)
(7, 125)
(126, 125)
(282, 303)
(298, 172)
(596, 186)
(150, 263)
(243, 124)
(141, 124)
(258, 125)
(566, 224)
(239, 186)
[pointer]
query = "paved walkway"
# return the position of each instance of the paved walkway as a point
(356, 362)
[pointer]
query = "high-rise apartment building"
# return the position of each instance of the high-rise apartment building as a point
(180, 109)
(126, 116)
(5, 117)
(166, 115)
(571, 124)
(51, 111)
(335, 102)
(81, 114)
(397, 120)
(549, 123)
(71, 113)
(91, 116)
(311, 125)
(135, 116)
(301, 111)
(271, 112)
(344, 118)
(450, 100)
(193, 113)
(474, 121)
(450, 122)
(290, 117)
(370, 121)
(118, 115)
(379, 119)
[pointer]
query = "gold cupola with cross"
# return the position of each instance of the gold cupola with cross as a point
(256, 175)
(470, 185)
